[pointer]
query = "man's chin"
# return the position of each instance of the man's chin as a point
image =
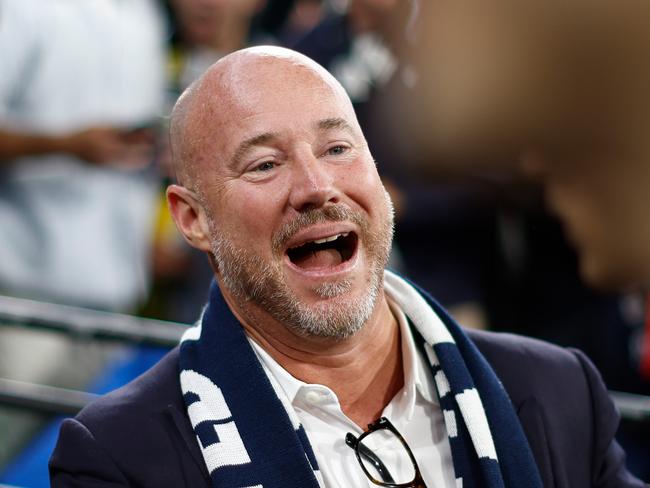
(316, 289)
(354, 288)
(329, 295)
(336, 312)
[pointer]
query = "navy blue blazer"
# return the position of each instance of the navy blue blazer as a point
(140, 435)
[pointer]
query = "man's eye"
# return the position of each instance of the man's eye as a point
(337, 150)
(265, 166)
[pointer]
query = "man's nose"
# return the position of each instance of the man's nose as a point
(312, 184)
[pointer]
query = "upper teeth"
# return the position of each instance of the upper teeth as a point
(330, 239)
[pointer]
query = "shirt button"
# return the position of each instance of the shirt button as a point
(313, 397)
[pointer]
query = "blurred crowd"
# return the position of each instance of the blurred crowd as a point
(85, 89)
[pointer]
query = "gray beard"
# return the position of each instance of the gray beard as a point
(250, 279)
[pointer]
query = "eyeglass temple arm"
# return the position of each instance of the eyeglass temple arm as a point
(381, 468)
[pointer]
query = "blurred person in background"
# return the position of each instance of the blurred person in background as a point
(601, 192)
(80, 82)
(302, 17)
(206, 30)
(492, 78)
(597, 177)
(598, 181)
(566, 84)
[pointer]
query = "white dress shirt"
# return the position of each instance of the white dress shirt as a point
(414, 411)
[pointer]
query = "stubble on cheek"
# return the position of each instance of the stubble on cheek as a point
(337, 313)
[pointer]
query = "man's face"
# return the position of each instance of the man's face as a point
(300, 224)
(602, 198)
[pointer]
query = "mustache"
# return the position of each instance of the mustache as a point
(332, 213)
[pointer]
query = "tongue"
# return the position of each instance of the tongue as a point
(322, 258)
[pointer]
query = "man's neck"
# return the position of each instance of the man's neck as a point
(365, 371)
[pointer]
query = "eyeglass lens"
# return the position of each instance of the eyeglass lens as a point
(385, 459)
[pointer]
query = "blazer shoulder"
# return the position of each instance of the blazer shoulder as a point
(147, 394)
(137, 435)
(520, 348)
(528, 366)
(564, 406)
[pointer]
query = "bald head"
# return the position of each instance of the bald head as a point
(270, 143)
(235, 85)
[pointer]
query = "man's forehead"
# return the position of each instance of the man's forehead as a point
(268, 58)
(242, 89)
(272, 96)
(266, 83)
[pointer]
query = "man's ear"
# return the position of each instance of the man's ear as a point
(189, 216)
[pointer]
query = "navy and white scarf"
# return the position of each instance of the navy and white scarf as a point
(251, 438)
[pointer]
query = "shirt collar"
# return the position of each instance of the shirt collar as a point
(289, 384)
(417, 374)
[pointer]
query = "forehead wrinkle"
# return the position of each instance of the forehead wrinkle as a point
(334, 123)
(248, 144)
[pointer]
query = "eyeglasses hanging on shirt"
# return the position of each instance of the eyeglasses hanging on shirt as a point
(385, 457)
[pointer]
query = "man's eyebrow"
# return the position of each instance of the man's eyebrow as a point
(249, 143)
(334, 123)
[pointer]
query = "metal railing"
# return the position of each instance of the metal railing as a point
(42, 398)
(632, 406)
(78, 323)
(86, 323)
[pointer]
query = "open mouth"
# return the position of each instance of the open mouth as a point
(324, 253)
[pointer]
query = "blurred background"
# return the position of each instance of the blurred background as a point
(97, 285)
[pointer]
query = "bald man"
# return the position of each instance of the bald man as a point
(306, 340)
